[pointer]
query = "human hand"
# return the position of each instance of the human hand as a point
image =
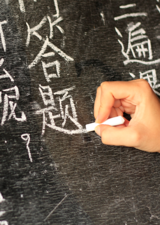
(137, 99)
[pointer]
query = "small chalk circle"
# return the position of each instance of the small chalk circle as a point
(115, 121)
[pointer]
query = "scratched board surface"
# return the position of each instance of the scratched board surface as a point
(53, 56)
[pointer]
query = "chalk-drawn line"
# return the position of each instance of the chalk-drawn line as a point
(54, 48)
(141, 62)
(33, 31)
(6, 75)
(132, 75)
(2, 213)
(5, 110)
(7, 2)
(56, 207)
(103, 17)
(130, 15)
(127, 6)
(138, 38)
(54, 23)
(21, 5)
(3, 222)
(158, 8)
(134, 26)
(60, 52)
(57, 8)
(118, 32)
(1, 198)
(1, 61)
(45, 66)
(2, 35)
(47, 95)
(140, 31)
(41, 111)
(71, 132)
(26, 137)
(12, 114)
(64, 91)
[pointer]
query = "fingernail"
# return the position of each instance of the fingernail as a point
(98, 130)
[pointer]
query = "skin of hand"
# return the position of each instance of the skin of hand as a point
(137, 99)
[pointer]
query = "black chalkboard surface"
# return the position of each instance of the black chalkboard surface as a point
(53, 56)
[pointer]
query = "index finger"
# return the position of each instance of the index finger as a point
(111, 91)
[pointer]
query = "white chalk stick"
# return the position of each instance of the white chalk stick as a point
(115, 121)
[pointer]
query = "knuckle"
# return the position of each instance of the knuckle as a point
(145, 86)
(104, 85)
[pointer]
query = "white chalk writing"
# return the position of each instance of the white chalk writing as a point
(2, 35)
(124, 16)
(127, 6)
(11, 96)
(26, 137)
(21, 5)
(157, 6)
(46, 44)
(54, 117)
(23, 10)
(2, 212)
(141, 49)
(49, 65)
(3, 222)
(130, 15)
(1, 198)
(64, 112)
(103, 17)
(54, 23)
(118, 32)
(48, 49)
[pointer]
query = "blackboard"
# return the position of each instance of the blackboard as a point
(53, 56)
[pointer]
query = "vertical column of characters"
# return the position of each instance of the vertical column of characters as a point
(8, 96)
(139, 47)
(66, 110)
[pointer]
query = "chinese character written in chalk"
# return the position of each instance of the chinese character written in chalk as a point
(9, 97)
(57, 117)
(139, 49)
(139, 45)
(127, 15)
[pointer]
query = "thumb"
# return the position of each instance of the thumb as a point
(125, 136)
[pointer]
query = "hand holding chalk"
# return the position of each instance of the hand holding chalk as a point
(119, 120)
(137, 99)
